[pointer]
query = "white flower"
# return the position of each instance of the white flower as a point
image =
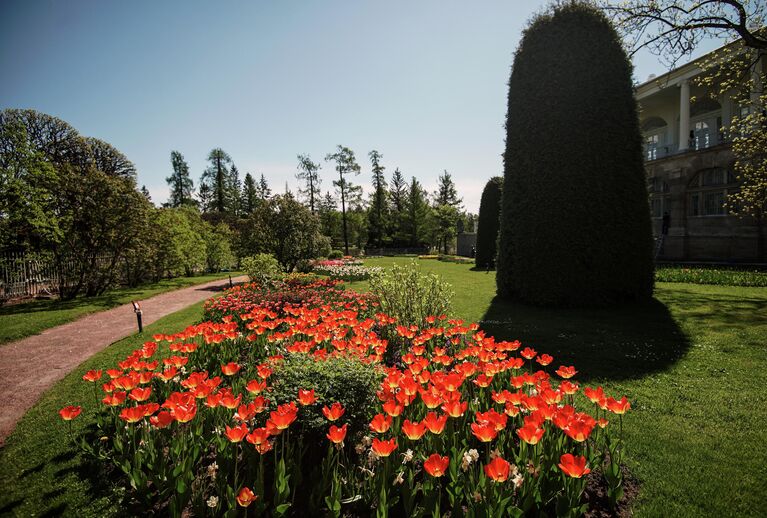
(407, 456)
(212, 501)
(400, 478)
(517, 480)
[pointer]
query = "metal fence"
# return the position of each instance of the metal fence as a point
(23, 276)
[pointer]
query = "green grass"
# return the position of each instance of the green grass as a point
(18, 321)
(718, 276)
(693, 362)
(41, 472)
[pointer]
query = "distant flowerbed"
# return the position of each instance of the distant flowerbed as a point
(717, 276)
(346, 269)
(238, 412)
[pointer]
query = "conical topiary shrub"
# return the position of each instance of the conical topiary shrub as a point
(487, 223)
(575, 219)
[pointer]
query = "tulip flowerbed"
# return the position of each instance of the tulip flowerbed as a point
(346, 269)
(200, 422)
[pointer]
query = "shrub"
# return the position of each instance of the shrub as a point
(488, 223)
(335, 254)
(304, 266)
(717, 276)
(575, 220)
(409, 295)
(262, 268)
(342, 379)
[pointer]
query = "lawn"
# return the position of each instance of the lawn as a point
(21, 320)
(693, 362)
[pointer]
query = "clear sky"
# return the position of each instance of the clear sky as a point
(422, 81)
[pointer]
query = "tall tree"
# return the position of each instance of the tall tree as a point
(398, 192)
(264, 192)
(417, 214)
(216, 177)
(446, 210)
(489, 213)
(108, 159)
(180, 182)
(327, 211)
(574, 230)
(234, 191)
(674, 29)
(346, 164)
(308, 174)
(378, 212)
(250, 195)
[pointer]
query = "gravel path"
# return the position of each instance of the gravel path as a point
(31, 366)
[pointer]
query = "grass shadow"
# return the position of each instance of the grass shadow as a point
(616, 343)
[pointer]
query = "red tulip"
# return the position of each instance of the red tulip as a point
(336, 434)
(92, 376)
(70, 412)
(618, 407)
(530, 433)
(498, 470)
(485, 432)
(246, 497)
(435, 424)
(306, 397)
(380, 423)
(230, 369)
(566, 372)
(435, 465)
(384, 448)
(413, 431)
(334, 412)
(140, 394)
(237, 433)
(573, 466)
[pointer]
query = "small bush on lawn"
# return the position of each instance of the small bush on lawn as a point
(262, 268)
(335, 254)
(410, 296)
(456, 259)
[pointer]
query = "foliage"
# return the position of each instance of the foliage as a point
(262, 268)
(378, 214)
(446, 213)
(216, 181)
(181, 184)
(308, 172)
(346, 164)
(487, 231)
(573, 231)
(335, 254)
(717, 276)
(417, 219)
(285, 228)
(410, 296)
(342, 379)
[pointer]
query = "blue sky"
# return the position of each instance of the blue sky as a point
(423, 82)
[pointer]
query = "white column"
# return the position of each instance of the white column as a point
(684, 114)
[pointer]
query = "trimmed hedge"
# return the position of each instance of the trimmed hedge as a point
(575, 219)
(488, 223)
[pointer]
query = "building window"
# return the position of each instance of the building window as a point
(660, 202)
(701, 135)
(707, 192)
(651, 146)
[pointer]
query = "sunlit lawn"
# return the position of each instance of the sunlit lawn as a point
(693, 363)
(21, 320)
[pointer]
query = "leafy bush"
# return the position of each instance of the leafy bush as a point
(488, 223)
(409, 295)
(717, 276)
(262, 268)
(575, 220)
(304, 266)
(342, 379)
(455, 259)
(335, 254)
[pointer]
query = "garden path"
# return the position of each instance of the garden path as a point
(30, 366)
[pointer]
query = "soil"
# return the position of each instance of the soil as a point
(596, 496)
(30, 366)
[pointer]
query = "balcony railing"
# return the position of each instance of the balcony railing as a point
(701, 142)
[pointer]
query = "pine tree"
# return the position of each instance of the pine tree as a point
(378, 213)
(346, 164)
(249, 195)
(264, 192)
(216, 177)
(398, 199)
(416, 219)
(575, 220)
(181, 184)
(146, 194)
(489, 213)
(308, 172)
(234, 191)
(446, 211)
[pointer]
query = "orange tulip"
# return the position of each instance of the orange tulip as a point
(132, 414)
(246, 497)
(380, 423)
(566, 372)
(434, 423)
(455, 408)
(413, 431)
(528, 353)
(237, 433)
(485, 432)
(184, 413)
(436, 465)
(230, 369)
(392, 408)
(573, 466)
(530, 433)
(92, 376)
(255, 386)
(334, 412)
(337, 434)
(306, 397)
(618, 407)
(258, 436)
(544, 359)
(594, 395)
(140, 394)
(70, 412)
(578, 430)
(384, 448)
(161, 420)
(115, 398)
(284, 416)
(498, 470)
